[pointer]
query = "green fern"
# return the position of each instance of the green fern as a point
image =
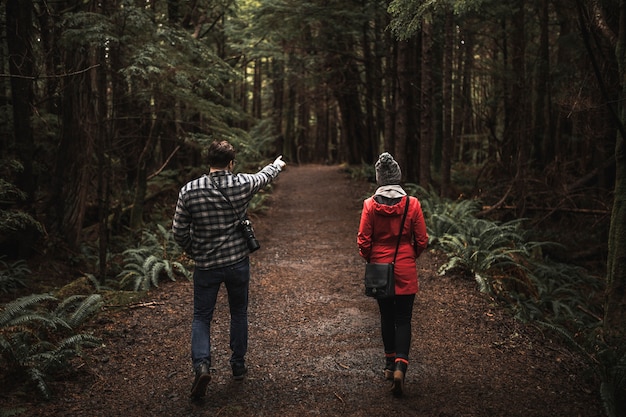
(609, 364)
(480, 246)
(37, 338)
(503, 262)
(76, 309)
(559, 289)
(13, 312)
(11, 412)
(442, 216)
(13, 275)
(153, 259)
(142, 270)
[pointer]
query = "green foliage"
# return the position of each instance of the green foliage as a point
(557, 290)
(482, 245)
(37, 339)
(13, 274)
(362, 172)
(258, 202)
(559, 296)
(443, 217)
(163, 65)
(609, 364)
(13, 219)
(145, 265)
(408, 15)
(505, 263)
(613, 376)
(12, 412)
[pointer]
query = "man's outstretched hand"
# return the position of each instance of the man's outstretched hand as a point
(279, 163)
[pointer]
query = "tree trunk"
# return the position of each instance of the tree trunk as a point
(257, 108)
(19, 16)
(103, 150)
(519, 125)
(464, 122)
(371, 128)
(401, 110)
(615, 301)
(278, 91)
(450, 101)
(290, 150)
(302, 124)
(391, 94)
(439, 49)
(345, 88)
(146, 155)
(322, 129)
(75, 150)
(426, 108)
(541, 108)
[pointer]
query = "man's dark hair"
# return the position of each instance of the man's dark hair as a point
(220, 153)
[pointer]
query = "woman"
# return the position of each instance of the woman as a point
(377, 238)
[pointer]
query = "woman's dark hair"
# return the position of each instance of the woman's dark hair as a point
(220, 153)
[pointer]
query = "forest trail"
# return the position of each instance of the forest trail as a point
(314, 346)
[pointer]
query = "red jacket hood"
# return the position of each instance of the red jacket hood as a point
(389, 211)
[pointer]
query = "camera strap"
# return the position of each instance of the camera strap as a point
(226, 198)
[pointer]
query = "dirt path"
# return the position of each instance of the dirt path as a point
(314, 338)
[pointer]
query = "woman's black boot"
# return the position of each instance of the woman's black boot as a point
(390, 367)
(398, 377)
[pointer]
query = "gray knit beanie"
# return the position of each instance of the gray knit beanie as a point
(387, 170)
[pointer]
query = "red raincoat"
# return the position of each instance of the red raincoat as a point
(378, 236)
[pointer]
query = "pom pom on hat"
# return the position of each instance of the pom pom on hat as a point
(387, 170)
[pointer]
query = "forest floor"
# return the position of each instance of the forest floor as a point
(315, 346)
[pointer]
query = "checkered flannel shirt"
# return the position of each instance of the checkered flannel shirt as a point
(206, 226)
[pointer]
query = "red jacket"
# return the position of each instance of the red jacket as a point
(378, 236)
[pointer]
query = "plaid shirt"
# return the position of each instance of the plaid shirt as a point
(205, 225)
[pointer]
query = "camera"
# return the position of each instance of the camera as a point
(248, 234)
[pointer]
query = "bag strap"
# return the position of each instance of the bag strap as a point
(225, 197)
(406, 209)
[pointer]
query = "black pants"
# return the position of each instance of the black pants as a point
(395, 323)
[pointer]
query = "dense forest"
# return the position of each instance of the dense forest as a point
(514, 107)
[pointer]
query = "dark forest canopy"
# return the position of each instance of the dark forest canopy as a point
(517, 103)
(102, 95)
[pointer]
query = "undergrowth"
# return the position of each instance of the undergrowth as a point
(509, 266)
(13, 275)
(38, 336)
(154, 258)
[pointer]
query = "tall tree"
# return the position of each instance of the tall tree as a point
(426, 104)
(448, 102)
(74, 163)
(19, 15)
(615, 305)
(402, 106)
(542, 119)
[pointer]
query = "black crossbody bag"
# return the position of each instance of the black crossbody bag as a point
(380, 281)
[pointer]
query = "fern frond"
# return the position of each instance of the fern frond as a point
(38, 377)
(20, 305)
(70, 343)
(184, 271)
(96, 283)
(150, 263)
(89, 306)
(154, 273)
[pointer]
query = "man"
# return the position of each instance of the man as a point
(207, 225)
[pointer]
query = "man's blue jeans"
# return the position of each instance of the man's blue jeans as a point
(206, 285)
